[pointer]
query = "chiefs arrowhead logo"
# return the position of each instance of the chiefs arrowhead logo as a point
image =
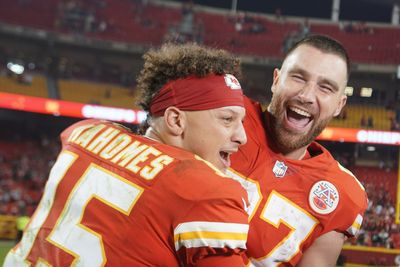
(232, 82)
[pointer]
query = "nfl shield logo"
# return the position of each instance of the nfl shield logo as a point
(279, 169)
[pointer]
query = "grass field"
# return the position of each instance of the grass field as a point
(5, 246)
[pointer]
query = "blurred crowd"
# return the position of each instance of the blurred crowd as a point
(379, 227)
(79, 16)
(24, 167)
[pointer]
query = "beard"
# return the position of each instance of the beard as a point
(286, 140)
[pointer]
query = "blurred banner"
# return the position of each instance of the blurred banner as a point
(79, 110)
(360, 136)
(70, 109)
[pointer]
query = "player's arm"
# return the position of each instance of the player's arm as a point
(212, 240)
(221, 261)
(214, 230)
(324, 251)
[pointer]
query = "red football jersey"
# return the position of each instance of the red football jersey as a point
(117, 199)
(293, 202)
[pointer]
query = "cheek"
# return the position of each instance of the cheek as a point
(328, 108)
(287, 92)
(197, 139)
(290, 86)
(277, 103)
(219, 135)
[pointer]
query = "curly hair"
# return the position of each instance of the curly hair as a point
(173, 61)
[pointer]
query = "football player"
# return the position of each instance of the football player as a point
(303, 203)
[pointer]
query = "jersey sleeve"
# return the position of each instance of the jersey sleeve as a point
(221, 261)
(354, 203)
(216, 225)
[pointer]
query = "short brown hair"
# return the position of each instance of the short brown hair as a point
(325, 44)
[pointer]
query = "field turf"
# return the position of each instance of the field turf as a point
(5, 246)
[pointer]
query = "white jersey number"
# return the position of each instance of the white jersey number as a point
(83, 243)
(277, 210)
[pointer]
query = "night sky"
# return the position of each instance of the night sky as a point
(362, 10)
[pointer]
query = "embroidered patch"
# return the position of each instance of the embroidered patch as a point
(232, 82)
(324, 197)
(279, 169)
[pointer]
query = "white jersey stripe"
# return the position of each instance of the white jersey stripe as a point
(197, 243)
(211, 227)
(213, 234)
(355, 227)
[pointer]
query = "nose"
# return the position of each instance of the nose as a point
(307, 93)
(239, 135)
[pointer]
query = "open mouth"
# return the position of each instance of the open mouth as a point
(225, 158)
(298, 118)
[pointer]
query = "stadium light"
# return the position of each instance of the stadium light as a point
(15, 68)
(370, 148)
(366, 92)
(349, 90)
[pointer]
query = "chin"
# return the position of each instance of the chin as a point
(224, 169)
(221, 167)
(289, 142)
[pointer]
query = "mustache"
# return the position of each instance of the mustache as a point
(306, 106)
(300, 103)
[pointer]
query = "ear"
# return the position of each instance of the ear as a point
(275, 78)
(175, 120)
(342, 103)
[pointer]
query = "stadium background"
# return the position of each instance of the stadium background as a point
(62, 60)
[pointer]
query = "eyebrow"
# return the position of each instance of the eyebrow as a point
(304, 72)
(231, 111)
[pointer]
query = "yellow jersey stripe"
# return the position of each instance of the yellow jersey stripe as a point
(210, 235)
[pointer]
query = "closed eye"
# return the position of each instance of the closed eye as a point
(298, 77)
(228, 119)
(327, 88)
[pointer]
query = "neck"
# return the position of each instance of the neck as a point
(297, 154)
(153, 134)
(159, 134)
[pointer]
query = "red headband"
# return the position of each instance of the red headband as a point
(194, 93)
